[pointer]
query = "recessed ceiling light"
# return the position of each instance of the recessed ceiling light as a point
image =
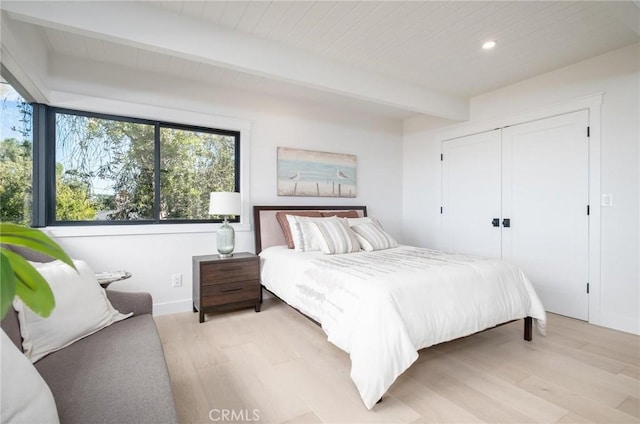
(489, 45)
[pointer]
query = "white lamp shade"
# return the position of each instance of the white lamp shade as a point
(225, 203)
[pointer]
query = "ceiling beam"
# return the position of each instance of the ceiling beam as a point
(143, 26)
(25, 58)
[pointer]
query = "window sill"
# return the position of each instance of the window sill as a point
(142, 229)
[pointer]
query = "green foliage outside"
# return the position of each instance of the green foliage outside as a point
(16, 162)
(15, 181)
(73, 202)
(119, 156)
(105, 171)
(192, 166)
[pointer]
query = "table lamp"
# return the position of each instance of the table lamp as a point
(225, 204)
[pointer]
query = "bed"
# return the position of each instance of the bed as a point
(382, 306)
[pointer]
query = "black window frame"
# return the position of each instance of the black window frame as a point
(44, 166)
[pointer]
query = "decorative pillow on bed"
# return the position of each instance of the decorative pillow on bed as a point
(284, 224)
(302, 233)
(342, 214)
(372, 237)
(335, 236)
(82, 308)
(363, 220)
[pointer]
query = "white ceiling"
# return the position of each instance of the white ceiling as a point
(435, 44)
(431, 45)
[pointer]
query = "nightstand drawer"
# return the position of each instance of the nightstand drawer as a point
(229, 272)
(221, 294)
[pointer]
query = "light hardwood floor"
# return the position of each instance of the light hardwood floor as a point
(280, 364)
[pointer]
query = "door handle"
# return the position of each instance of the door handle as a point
(506, 222)
(495, 222)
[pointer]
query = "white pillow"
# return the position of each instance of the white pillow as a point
(372, 237)
(302, 234)
(25, 397)
(82, 308)
(363, 220)
(335, 236)
(302, 240)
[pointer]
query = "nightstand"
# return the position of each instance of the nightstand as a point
(221, 284)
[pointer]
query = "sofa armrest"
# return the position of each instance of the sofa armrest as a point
(125, 302)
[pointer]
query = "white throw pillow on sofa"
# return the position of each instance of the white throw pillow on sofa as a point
(25, 397)
(82, 308)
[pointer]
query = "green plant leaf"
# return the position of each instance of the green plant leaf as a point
(8, 286)
(30, 286)
(33, 239)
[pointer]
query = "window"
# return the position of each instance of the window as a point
(193, 164)
(16, 156)
(113, 169)
(103, 169)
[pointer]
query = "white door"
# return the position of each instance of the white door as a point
(545, 196)
(471, 197)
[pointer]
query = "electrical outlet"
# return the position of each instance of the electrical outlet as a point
(176, 280)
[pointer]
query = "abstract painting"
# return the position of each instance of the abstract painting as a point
(315, 174)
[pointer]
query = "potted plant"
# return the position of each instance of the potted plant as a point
(18, 277)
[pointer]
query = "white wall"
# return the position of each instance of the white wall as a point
(153, 253)
(616, 74)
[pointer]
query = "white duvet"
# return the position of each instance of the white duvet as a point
(382, 307)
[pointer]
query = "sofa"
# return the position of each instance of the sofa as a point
(116, 375)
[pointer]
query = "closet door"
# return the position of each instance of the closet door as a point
(471, 194)
(545, 195)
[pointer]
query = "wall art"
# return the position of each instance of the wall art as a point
(315, 174)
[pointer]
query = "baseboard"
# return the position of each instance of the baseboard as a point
(166, 308)
(620, 323)
(185, 305)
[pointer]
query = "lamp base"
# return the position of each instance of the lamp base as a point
(226, 240)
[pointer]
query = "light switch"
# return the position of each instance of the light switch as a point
(607, 200)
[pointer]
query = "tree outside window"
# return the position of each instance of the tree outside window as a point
(193, 164)
(16, 156)
(106, 169)
(109, 164)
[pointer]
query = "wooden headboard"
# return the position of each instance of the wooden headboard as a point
(267, 231)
